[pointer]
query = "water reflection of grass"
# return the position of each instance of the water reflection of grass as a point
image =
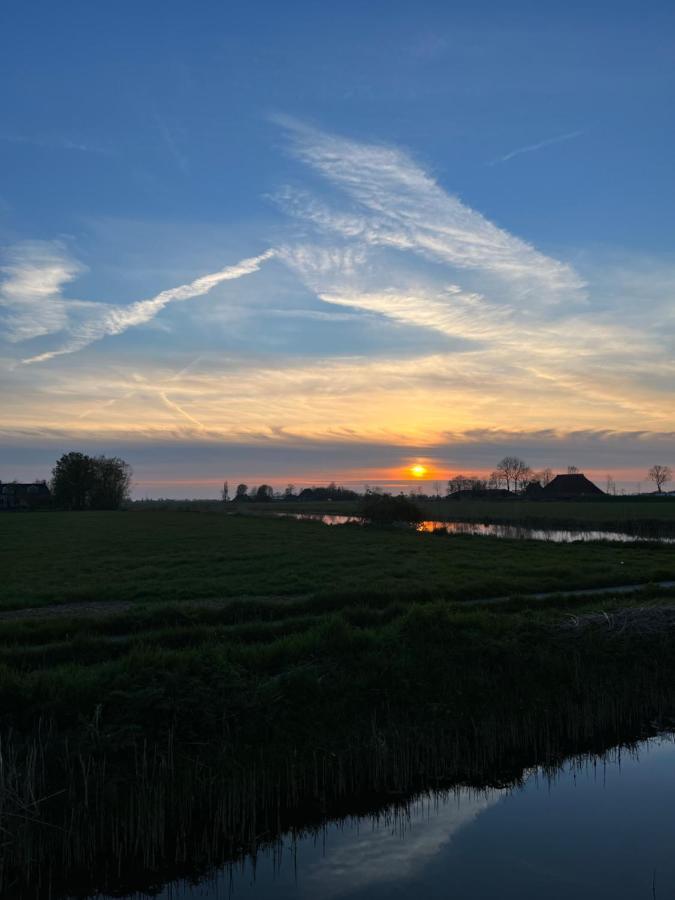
(178, 556)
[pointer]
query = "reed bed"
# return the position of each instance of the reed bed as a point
(135, 778)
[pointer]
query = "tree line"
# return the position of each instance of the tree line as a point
(265, 493)
(81, 482)
(515, 475)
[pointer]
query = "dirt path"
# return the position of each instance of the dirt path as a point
(577, 592)
(114, 607)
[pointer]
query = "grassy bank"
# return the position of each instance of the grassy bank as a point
(166, 556)
(140, 746)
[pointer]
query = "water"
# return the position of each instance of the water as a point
(513, 532)
(597, 828)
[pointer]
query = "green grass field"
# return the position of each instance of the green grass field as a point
(248, 598)
(176, 556)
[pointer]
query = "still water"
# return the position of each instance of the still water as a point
(597, 828)
(558, 535)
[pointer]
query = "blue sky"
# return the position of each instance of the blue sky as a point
(414, 231)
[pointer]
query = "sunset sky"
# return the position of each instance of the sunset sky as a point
(302, 242)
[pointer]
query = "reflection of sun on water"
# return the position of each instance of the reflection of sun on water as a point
(418, 471)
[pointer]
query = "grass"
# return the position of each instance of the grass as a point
(334, 659)
(608, 513)
(167, 556)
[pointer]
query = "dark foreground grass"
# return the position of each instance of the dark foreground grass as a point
(165, 736)
(181, 556)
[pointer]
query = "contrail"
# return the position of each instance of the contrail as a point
(529, 148)
(116, 319)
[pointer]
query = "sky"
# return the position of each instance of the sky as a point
(301, 242)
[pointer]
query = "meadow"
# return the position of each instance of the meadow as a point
(261, 660)
(183, 556)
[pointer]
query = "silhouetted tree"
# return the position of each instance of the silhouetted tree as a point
(241, 492)
(545, 476)
(327, 493)
(289, 493)
(72, 480)
(82, 482)
(660, 475)
(225, 493)
(264, 493)
(467, 483)
(111, 483)
(572, 470)
(513, 471)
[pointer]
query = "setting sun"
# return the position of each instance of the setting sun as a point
(418, 471)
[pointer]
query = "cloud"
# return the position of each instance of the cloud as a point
(33, 276)
(54, 142)
(530, 148)
(483, 332)
(38, 281)
(399, 205)
(172, 146)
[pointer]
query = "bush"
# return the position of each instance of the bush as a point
(383, 509)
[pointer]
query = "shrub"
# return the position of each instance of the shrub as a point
(383, 509)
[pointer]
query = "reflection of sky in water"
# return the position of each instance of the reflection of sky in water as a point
(556, 535)
(597, 830)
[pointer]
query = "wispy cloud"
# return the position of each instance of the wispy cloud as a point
(531, 148)
(32, 296)
(171, 144)
(112, 320)
(398, 205)
(54, 142)
(33, 276)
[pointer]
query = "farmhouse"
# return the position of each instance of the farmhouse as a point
(24, 496)
(569, 487)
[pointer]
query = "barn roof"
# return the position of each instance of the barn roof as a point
(576, 485)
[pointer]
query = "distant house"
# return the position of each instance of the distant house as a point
(569, 487)
(24, 496)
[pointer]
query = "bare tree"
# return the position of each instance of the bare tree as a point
(572, 470)
(225, 493)
(495, 480)
(545, 476)
(610, 485)
(660, 475)
(513, 471)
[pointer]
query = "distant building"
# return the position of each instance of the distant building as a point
(24, 496)
(569, 487)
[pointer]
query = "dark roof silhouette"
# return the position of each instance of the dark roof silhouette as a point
(19, 496)
(564, 486)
